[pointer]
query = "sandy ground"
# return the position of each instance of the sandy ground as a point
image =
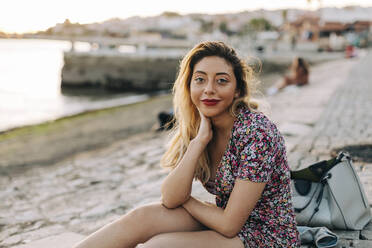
(84, 191)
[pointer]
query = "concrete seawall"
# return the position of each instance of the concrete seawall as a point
(135, 72)
(119, 72)
(153, 70)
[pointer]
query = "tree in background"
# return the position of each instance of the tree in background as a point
(256, 25)
(223, 27)
(260, 24)
(170, 14)
(206, 26)
(285, 15)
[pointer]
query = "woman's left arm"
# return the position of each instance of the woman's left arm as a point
(230, 220)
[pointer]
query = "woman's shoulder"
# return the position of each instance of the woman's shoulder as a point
(251, 119)
(252, 123)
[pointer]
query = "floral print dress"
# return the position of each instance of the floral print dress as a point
(256, 152)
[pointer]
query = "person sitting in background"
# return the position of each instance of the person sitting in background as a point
(166, 120)
(299, 76)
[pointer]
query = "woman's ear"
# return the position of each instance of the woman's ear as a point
(237, 94)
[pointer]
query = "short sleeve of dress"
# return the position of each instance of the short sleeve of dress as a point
(256, 156)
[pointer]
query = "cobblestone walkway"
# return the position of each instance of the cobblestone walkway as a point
(347, 120)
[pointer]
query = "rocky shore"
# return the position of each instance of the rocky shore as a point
(67, 198)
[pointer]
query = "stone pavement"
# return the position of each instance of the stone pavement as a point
(347, 120)
(50, 205)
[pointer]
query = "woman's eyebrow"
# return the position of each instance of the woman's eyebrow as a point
(202, 72)
(218, 73)
(222, 73)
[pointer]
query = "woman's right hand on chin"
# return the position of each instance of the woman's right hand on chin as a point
(205, 132)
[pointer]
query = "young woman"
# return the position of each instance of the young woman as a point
(299, 76)
(234, 150)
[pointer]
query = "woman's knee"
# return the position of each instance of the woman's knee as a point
(144, 213)
(155, 219)
(140, 221)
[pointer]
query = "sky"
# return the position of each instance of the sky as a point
(32, 15)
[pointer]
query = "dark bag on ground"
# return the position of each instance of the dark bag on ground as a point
(329, 193)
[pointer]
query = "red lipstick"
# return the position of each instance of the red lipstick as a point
(210, 102)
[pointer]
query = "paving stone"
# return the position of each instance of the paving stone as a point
(294, 129)
(7, 232)
(366, 234)
(27, 216)
(368, 226)
(294, 159)
(340, 125)
(347, 234)
(309, 160)
(345, 243)
(12, 240)
(361, 243)
(64, 240)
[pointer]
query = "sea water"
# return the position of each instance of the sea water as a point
(30, 84)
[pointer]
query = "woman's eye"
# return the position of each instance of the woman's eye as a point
(199, 79)
(222, 80)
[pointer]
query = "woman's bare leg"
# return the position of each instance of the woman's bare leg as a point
(140, 225)
(285, 82)
(199, 239)
(279, 85)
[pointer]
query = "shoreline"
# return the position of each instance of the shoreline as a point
(106, 104)
(265, 81)
(86, 110)
(52, 141)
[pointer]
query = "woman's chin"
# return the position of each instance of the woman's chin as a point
(207, 112)
(210, 113)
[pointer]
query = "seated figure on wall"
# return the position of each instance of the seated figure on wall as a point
(299, 76)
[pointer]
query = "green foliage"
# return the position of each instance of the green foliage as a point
(246, 29)
(285, 15)
(260, 24)
(170, 14)
(67, 23)
(206, 26)
(49, 31)
(224, 29)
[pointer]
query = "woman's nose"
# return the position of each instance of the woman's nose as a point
(209, 88)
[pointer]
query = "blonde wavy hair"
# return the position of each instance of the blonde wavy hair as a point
(187, 119)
